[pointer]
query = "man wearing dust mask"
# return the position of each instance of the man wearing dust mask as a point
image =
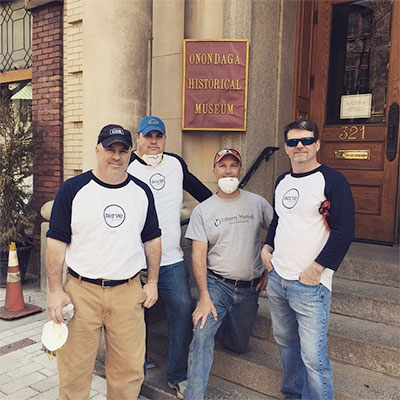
(225, 230)
(167, 175)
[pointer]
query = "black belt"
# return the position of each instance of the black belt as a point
(101, 282)
(236, 283)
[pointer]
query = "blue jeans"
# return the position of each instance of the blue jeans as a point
(174, 290)
(237, 310)
(300, 319)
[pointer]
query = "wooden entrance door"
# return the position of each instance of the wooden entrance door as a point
(348, 55)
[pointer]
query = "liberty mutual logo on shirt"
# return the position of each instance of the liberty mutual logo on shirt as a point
(235, 219)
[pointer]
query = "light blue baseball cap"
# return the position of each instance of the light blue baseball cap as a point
(149, 124)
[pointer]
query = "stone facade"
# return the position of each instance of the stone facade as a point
(118, 75)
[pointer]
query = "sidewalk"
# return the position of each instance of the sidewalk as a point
(25, 369)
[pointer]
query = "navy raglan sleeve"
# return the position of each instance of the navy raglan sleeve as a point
(192, 184)
(340, 219)
(270, 239)
(151, 229)
(60, 219)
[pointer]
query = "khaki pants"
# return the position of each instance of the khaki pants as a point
(119, 309)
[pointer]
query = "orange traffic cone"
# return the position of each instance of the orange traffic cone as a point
(14, 305)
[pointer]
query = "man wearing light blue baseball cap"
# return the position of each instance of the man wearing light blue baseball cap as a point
(151, 123)
(167, 175)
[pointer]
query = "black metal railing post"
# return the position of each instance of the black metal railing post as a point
(264, 155)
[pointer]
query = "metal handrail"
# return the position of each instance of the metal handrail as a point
(264, 155)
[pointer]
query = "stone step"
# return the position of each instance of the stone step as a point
(366, 344)
(370, 345)
(371, 263)
(371, 302)
(155, 386)
(259, 370)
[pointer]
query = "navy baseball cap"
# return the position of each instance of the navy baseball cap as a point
(114, 134)
(149, 124)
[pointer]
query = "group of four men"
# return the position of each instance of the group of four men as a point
(110, 223)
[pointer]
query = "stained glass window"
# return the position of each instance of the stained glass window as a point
(15, 36)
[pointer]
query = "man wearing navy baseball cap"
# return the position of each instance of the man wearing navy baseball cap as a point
(104, 225)
(111, 134)
(167, 176)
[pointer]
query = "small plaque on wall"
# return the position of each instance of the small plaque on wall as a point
(355, 106)
(215, 74)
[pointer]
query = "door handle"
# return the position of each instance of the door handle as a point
(392, 132)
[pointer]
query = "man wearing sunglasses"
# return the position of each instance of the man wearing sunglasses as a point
(225, 230)
(311, 231)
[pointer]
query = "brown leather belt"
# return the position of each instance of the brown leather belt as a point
(236, 283)
(101, 282)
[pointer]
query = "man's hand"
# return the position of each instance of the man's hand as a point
(57, 298)
(204, 307)
(312, 274)
(56, 301)
(263, 281)
(152, 251)
(266, 257)
(151, 291)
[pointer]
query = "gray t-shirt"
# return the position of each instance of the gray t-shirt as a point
(232, 229)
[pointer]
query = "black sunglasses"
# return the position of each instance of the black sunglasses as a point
(305, 141)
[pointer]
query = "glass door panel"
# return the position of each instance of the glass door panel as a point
(359, 62)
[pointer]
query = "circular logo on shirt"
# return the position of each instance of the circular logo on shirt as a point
(114, 216)
(157, 181)
(290, 198)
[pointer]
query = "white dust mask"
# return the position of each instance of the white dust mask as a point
(152, 159)
(228, 185)
(54, 335)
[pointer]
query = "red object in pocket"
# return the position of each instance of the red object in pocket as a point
(324, 211)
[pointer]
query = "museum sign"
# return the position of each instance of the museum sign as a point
(215, 76)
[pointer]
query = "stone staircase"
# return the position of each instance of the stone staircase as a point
(363, 339)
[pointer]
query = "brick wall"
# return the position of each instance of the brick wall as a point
(47, 102)
(73, 87)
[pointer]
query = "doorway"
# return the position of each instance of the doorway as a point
(348, 82)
